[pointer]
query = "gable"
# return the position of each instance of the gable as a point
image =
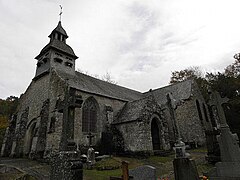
(180, 91)
(136, 110)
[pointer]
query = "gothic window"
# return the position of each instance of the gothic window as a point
(89, 115)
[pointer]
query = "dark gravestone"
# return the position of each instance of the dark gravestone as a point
(66, 165)
(185, 169)
(143, 173)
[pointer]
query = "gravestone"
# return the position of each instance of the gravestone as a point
(90, 153)
(229, 167)
(91, 156)
(66, 165)
(185, 169)
(143, 173)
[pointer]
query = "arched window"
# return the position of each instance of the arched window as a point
(89, 115)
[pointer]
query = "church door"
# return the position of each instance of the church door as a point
(155, 135)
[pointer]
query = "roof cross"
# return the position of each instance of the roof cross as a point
(60, 14)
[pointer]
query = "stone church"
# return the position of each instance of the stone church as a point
(62, 107)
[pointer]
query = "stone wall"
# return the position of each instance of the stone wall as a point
(137, 134)
(30, 107)
(57, 91)
(192, 125)
(189, 124)
(103, 118)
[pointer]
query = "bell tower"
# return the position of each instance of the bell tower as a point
(56, 54)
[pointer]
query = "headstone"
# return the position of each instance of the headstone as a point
(143, 173)
(185, 169)
(91, 156)
(66, 165)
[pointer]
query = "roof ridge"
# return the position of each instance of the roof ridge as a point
(152, 90)
(107, 82)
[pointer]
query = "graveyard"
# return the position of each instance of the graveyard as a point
(163, 165)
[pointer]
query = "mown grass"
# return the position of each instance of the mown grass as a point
(159, 159)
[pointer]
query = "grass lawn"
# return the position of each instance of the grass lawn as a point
(163, 165)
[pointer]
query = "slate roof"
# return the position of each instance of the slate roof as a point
(132, 110)
(90, 84)
(59, 29)
(180, 91)
(59, 45)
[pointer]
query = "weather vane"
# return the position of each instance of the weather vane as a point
(60, 14)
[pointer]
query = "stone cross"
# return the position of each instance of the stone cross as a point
(229, 147)
(218, 101)
(172, 106)
(90, 136)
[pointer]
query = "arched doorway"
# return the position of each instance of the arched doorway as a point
(155, 134)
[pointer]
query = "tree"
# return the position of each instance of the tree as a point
(7, 109)
(189, 73)
(194, 73)
(233, 70)
(106, 77)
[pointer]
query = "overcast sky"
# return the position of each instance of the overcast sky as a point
(139, 42)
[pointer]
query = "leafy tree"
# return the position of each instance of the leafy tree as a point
(195, 73)
(7, 109)
(233, 70)
(189, 73)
